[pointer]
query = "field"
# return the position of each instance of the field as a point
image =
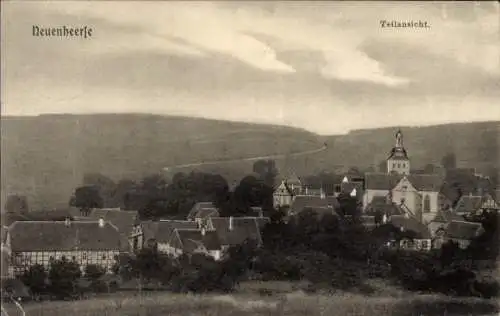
(153, 304)
(45, 157)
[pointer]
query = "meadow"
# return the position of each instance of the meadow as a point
(292, 304)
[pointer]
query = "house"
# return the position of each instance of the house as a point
(283, 195)
(191, 241)
(462, 232)
(86, 242)
(234, 231)
(419, 237)
(441, 221)
(148, 234)
(468, 204)
(488, 203)
(304, 201)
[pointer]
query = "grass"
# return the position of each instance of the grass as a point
(152, 304)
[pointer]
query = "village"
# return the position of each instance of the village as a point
(411, 202)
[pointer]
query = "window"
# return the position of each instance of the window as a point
(393, 165)
(84, 256)
(73, 258)
(399, 165)
(405, 187)
(103, 257)
(427, 204)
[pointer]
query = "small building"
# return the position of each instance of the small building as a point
(462, 232)
(202, 210)
(468, 204)
(419, 237)
(192, 241)
(283, 195)
(441, 221)
(305, 201)
(149, 234)
(234, 231)
(41, 242)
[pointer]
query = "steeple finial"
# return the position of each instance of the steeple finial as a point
(399, 139)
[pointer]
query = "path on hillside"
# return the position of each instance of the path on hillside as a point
(276, 156)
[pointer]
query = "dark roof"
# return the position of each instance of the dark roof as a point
(322, 211)
(45, 235)
(191, 239)
(443, 216)
(463, 230)
(204, 213)
(243, 228)
(421, 182)
(167, 227)
(195, 210)
(123, 220)
(149, 229)
(381, 204)
(468, 204)
(410, 224)
(426, 182)
(43, 215)
(302, 201)
(381, 181)
(348, 187)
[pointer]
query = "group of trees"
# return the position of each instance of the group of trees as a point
(154, 196)
(63, 279)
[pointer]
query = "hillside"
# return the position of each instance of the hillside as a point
(45, 157)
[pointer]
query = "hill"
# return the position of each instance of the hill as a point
(45, 157)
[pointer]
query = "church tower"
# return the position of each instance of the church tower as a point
(398, 161)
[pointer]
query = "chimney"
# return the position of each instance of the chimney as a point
(101, 222)
(322, 194)
(203, 231)
(230, 223)
(384, 219)
(353, 193)
(67, 221)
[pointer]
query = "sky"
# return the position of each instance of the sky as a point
(328, 67)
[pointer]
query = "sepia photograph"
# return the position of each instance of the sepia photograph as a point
(298, 158)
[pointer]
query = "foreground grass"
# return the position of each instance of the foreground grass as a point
(156, 304)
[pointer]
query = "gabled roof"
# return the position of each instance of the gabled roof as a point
(322, 211)
(468, 204)
(191, 239)
(123, 220)
(463, 230)
(302, 201)
(421, 182)
(167, 227)
(149, 229)
(410, 224)
(243, 228)
(426, 182)
(381, 181)
(50, 235)
(381, 204)
(444, 216)
(203, 207)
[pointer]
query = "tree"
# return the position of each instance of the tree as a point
(63, 277)
(16, 204)
(106, 187)
(267, 171)
(35, 278)
(86, 198)
(94, 273)
(449, 161)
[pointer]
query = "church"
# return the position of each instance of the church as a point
(416, 194)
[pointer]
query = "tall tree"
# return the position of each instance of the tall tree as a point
(267, 171)
(449, 161)
(87, 198)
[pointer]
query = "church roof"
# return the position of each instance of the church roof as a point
(303, 201)
(421, 182)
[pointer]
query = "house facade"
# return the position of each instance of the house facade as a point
(41, 242)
